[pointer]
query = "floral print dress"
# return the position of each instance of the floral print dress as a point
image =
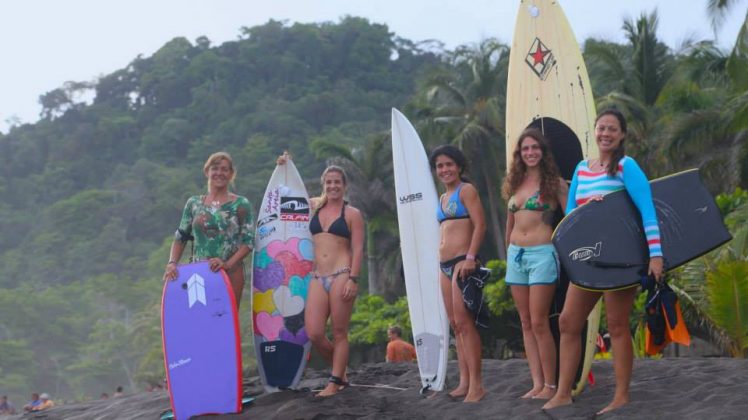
(217, 231)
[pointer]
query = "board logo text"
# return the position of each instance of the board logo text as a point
(267, 219)
(294, 209)
(411, 198)
(179, 363)
(586, 252)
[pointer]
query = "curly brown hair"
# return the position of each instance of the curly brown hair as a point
(549, 173)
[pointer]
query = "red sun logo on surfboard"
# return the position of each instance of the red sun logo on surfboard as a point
(540, 59)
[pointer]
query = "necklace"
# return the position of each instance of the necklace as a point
(215, 202)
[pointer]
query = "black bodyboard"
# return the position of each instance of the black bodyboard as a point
(602, 245)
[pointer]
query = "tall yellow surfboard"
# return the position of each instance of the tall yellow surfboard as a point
(548, 88)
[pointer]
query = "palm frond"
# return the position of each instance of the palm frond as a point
(718, 10)
(327, 149)
(738, 61)
(737, 108)
(728, 302)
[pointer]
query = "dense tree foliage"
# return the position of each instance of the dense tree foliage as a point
(91, 194)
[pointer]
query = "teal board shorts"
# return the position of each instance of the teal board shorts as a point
(529, 265)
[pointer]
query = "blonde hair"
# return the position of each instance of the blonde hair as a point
(323, 197)
(215, 158)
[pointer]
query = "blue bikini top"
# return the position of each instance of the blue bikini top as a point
(454, 209)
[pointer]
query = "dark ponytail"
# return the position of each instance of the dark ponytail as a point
(620, 151)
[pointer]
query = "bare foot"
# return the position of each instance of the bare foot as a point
(613, 405)
(557, 401)
(475, 396)
(545, 394)
(330, 390)
(533, 392)
(460, 391)
(432, 394)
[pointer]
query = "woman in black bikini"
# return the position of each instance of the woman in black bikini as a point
(338, 237)
(535, 190)
(462, 227)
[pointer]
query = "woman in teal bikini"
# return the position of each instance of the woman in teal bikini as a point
(338, 236)
(535, 190)
(221, 223)
(462, 228)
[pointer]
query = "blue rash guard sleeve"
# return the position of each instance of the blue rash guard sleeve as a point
(571, 199)
(638, 188)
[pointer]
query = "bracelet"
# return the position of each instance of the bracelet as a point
(171, 262)
(470, 257)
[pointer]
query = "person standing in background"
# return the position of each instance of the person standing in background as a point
(5, 406)
(399, 350)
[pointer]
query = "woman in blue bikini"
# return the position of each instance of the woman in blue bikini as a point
(338, 237)
(462, 228)
(535, 190)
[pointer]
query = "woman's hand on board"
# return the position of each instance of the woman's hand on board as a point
(282, 159)
(216, 264)
(171, 273)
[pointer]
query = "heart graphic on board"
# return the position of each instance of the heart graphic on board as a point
(300, 338)
(276, 247)
(263, 302)
(294, 323)
(306, 249)
(262, 259)
(269, 326)
(299, 286)
(269, 277)
(287, 304)
(292, 266)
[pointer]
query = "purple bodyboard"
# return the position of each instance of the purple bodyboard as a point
(200, 332)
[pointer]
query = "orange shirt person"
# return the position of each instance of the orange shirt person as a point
(399, 350)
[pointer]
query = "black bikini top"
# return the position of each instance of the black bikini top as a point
(339, 227)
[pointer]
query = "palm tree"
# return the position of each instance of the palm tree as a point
(719, 305)
(466, 106)
(638, 72)
(697, 109)
(736, 66)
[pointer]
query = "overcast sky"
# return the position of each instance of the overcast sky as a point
(46, 42)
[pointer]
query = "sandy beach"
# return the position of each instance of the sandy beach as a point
(673, 388)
